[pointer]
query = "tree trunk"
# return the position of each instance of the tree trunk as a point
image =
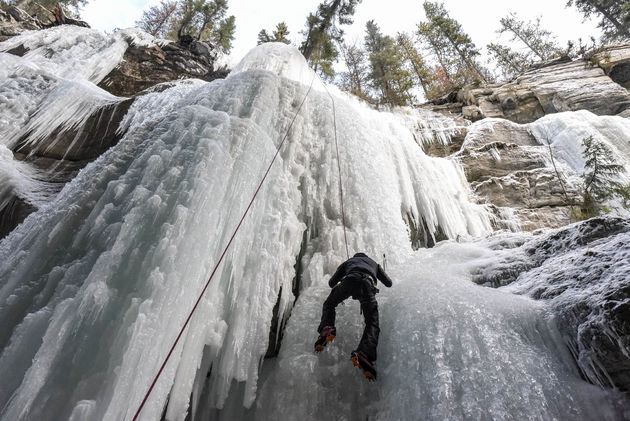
(440, 59)
(410, 57)
(620, 28)
(471, 65)
(524, 41)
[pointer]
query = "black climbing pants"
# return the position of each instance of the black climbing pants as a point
(360, 288)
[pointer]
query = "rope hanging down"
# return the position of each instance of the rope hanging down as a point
(203, 291)
(343, 214)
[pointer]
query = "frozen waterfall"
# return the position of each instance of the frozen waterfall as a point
(95, 285)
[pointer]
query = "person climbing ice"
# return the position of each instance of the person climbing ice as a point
(356, 278)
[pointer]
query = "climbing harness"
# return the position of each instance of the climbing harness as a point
(203, 291)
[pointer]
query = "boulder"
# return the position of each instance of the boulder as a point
(472, 113)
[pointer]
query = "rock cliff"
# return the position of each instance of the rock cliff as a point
(506, 154)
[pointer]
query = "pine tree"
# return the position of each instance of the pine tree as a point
(355, 80)
(279, 35)
(187, 19)
(510, 62)
(323, 30)
(417, 66)
(600, 178)
(538, 40)
(157, 19)
(387, 74)
(439, 46)
(201, 19)
(223, 34)
(454, 49)
(614, 14)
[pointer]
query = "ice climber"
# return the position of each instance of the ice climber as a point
(356, 278)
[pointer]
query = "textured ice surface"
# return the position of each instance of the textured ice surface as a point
(582, 272)
(73, 52)
(51, 89)
(449, 349)
(96, 285)
(428, 126)
(565, 131)
(20, 179)
(53, 85)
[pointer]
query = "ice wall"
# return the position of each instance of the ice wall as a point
(20, 179)
(96, 284)
(449, 350)
(566, 131)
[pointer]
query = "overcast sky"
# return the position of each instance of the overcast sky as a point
(479, 18)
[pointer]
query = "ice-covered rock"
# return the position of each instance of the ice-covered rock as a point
(534, 171)
(583, 272)
(54, 110)
(97, 282)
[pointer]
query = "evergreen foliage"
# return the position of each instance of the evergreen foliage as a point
(614, 15)
(416, 65)
(600, 179)
(388, 76)
(356, 79)
(538, 40)
(278, 35)
(323, 31)
(454, 50)
(158, 19)
(510, 62)
(200, 19)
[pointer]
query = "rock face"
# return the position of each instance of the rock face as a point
(509, 169)
(86, 143)
(506, 166)
(615, 61)
(581, 270)
(143, 67)
(560, 86)
(14, 21)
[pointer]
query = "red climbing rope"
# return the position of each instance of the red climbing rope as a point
(157, 376)
(343, 214)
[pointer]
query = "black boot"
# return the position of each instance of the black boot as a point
(359, 360)
(326, 335)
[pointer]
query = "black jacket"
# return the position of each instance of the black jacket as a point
(360, 263)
